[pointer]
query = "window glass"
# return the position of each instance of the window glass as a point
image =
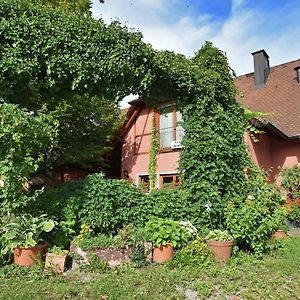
(166, 127)
(170, 127)
(169, 181)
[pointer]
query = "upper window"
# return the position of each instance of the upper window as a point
(170, 127)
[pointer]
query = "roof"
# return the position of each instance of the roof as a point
(280, 98)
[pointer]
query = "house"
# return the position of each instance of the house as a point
(273, 90)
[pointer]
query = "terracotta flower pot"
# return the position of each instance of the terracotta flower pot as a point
(56, 262)
(221, 250)
(28, 256)
(280, 234)
(162, 253)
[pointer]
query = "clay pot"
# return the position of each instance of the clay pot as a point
(28, 256)
(221, 250)
(56, 262)
(280, 234)
(162, 253)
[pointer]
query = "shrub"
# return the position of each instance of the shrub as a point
(62, 204)
(170, 204)
(252, 219)
(109, 204)
(294, 212)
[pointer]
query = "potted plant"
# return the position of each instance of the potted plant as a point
(166, 235)
(22, 237)
(220, 243)
(56, 259)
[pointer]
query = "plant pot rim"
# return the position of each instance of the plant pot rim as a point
(212, 242)
(161, 245)
(37, 246)
(66, 252)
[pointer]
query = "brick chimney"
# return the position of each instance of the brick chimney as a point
(261, 68)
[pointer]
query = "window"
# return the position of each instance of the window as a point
(169, 181)
(144, 182)
(170, 127)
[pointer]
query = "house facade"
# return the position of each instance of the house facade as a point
(272, 90)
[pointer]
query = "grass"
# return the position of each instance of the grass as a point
(276, 276)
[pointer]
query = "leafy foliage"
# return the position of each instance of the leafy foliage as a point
(172, 204)
(250, 116)
(25, 231)
(290, 181)
(253, 218)
(166, 231)
(194, 253)
(219, 235)
(109, 204)
(25, 138)
(214, 156)
(153, 154)
(76, 67)
(100, 241)
(62, 204)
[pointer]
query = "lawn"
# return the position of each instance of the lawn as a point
(276, 276)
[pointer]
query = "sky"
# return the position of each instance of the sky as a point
(238, 27)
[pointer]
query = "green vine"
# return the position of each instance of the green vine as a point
(153, 154)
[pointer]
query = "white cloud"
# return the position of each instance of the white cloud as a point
(247, 29)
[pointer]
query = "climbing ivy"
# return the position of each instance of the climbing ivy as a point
(214, 156)
(153, 154)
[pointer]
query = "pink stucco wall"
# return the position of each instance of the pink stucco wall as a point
(136, 147)
(270, 153)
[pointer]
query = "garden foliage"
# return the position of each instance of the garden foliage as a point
(253, 217)
(25, 138)
(73, 66)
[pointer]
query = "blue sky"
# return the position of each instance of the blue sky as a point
(238, 27)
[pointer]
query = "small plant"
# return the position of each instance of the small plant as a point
(58, 250)
(85, 231)
(99, 241)
(291, 181)
(219, 235)
(166, 231)
(194, 253)
(95, 264)
(190, 229)
(25, 231)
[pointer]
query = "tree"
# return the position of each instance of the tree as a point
(25, 137)
(64, 61)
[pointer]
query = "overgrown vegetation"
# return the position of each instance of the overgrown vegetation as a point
(75, 69)
(244, 276)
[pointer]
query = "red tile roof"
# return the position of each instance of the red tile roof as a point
(280, 98)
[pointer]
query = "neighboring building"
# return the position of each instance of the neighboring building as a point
(274, 90)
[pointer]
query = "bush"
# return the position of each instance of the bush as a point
(62, 204)
(252, 219)
(171, 204)
(109, 204)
